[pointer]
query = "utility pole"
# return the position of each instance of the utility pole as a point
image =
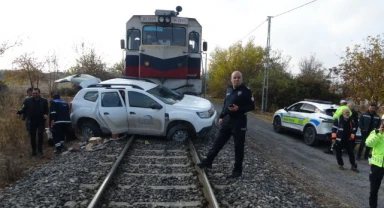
(266, 68)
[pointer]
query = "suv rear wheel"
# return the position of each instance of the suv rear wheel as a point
(178, 133)
(310, 136)
(89, 129)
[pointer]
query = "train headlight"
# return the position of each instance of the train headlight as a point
(146, 63)
(161, 19)
(167, 19)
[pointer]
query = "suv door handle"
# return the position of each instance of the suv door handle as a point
(132, 113)
(106, 113)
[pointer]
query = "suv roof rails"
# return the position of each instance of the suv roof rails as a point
(110, 85)
(318, 101)
(137, 78)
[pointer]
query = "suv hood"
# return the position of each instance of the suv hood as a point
(193, 103)
(84, 80)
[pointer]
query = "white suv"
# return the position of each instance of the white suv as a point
(312, 118)
(126, 105)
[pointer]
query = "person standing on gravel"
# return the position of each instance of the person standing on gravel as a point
(59, 121)
(233, 122)
(375, 140)
(343, 136)
(35, 109)
(368, 121)
(336, 115)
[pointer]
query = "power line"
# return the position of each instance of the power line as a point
(294, 8)
(253, 29)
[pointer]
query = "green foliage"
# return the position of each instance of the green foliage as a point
(284, 89)
(89, 62)
(235, 58)
(363, 70)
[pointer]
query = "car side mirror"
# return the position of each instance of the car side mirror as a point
(286, 109)
(205, 46)
(122, 44)
(156, 106)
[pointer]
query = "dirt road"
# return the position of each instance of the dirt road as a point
(316, 171)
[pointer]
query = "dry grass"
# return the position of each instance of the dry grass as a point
(15, 147)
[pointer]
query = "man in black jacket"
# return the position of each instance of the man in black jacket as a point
(59, 121)
(233, 122)
(35, 109)
(368, 121)
(343, 136)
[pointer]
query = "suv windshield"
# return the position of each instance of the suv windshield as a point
(166, 95)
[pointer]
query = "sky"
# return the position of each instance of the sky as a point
(324, 28)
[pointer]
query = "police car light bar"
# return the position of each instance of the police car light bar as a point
(318, 101)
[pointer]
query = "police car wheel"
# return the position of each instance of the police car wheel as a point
(310, 136)
(89, 129)
(178, 133)
(277, 125)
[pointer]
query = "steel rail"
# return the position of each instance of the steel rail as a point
(109, 177)
(207, 189)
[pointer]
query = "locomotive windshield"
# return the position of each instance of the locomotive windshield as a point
(158, 35)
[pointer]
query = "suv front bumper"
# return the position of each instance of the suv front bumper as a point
(206, 130)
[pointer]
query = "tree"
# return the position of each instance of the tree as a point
(117, 69)
(52, 68)
(89, 62)
(7, 45)
(363, 70)
(29, 69)
(236, 58)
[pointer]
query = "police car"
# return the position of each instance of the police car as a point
(137, 106)
(312, 118)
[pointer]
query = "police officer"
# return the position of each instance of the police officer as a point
(60, 120)
(233, 121)
(375, 140)
(368, 121)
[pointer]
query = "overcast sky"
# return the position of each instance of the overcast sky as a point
(324, 28)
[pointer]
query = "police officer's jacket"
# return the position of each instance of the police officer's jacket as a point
(365, 121)
(242, 97)
(375, 140)
(59, 111)
(343, 129)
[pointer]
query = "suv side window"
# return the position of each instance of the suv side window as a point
(91, 96)
(308, 108)
(139, 100)
(110, 99)
(295, 107)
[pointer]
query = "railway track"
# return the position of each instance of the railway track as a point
(155, 173)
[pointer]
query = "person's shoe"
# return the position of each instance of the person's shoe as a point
(341, 167)
(354, 169)
(329, 151)
(40, 153)
(204, 164)
(57, 152)
(34, 153)
(235, 174)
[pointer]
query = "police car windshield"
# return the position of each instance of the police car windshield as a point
(166, 95)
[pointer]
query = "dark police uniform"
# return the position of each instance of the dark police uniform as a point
(60, 115)
(234, 124)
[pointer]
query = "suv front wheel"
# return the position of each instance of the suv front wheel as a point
(310, 136)
(178, 133)
(88, 130)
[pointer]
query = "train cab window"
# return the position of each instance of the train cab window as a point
(133, 37)
(169, 36)
(193, 46)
